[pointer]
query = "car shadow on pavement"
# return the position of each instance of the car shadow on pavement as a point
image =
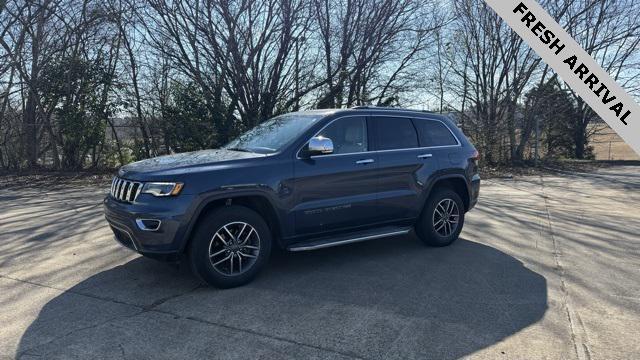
(389, 298)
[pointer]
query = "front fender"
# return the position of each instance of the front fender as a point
(203, 201)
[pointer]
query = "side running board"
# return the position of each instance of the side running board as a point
(326, 242)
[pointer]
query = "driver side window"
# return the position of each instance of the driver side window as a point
(349, 135)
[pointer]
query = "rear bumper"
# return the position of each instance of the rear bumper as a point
(163, 243)
(475, 191)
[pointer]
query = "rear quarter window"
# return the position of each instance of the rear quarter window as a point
(434, 133)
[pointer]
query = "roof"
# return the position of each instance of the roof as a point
(366, 107)
(317, 111)
(389, 108)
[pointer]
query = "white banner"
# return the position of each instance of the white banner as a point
(573, 65)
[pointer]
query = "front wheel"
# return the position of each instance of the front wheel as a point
(442, 219)
(230, 246)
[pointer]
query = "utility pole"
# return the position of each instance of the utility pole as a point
(535, 159)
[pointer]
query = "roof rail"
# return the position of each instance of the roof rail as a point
(372, 107)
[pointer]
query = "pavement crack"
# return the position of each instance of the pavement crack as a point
(124, 356)
(269, 336)
(153, 308)
(68, 291)
(71, 332)
(163, 300)
(578, 332)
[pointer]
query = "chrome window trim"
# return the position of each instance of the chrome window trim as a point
(459, 144)
(345, 154)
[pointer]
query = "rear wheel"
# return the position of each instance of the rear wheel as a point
(442, 219)
(230, 246)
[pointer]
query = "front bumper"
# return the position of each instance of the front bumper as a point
(165, 242)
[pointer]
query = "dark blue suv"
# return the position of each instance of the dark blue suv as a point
(300, 181)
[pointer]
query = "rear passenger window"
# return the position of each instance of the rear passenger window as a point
(395, 133)
(434, 133)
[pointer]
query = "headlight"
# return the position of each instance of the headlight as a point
(162, 188)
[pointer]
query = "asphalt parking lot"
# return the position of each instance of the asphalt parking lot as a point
(546, 267)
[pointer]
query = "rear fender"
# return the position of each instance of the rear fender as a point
(443, 177)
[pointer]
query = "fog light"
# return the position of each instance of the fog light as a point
(148, 224)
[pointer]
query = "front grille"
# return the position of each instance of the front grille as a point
(125, 190)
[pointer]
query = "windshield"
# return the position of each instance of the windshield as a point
(274, 134)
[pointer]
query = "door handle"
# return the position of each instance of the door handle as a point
(364, 162)
(424, 156)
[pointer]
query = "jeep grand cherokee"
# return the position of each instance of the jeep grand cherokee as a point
(301, 181)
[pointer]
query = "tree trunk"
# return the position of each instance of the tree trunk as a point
(29, 138)
(2, 164)
(580, 131)
(53, 141)
(115, 137)
(136, 90)
(580, 142)
(29, 120)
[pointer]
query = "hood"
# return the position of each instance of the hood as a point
(185, 160)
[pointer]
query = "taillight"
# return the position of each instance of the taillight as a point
(475, 156)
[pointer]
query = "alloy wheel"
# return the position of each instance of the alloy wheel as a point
(445, 217)
(234, 248)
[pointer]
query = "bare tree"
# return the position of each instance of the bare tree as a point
(369, 47)
(611, 36)
(88, 83)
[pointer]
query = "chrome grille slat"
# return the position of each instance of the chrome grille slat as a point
(118, 188)
(125, 190)
(128, 198)
(138, 191)
(122, 190)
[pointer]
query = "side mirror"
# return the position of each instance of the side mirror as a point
(320, 146)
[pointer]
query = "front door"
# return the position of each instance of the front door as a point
(337, 191)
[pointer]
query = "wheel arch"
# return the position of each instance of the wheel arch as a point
(455, 182)
(255, 201)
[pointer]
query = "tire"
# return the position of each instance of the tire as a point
(225, 252)
(430, 229)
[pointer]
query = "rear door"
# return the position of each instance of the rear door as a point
(404, 167)
(337, 191)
